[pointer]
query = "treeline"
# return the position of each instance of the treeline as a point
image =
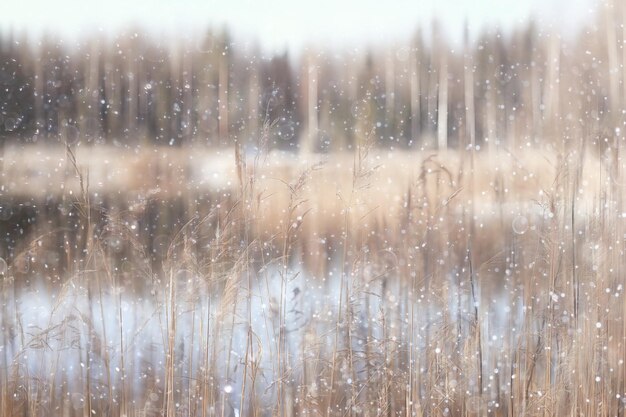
(508, 90)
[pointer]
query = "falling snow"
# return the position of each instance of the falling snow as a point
(415, 228)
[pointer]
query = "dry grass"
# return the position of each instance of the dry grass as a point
(373, 284)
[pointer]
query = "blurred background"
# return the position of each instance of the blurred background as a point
(280, 24)
(211, 72)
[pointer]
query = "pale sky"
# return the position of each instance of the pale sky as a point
(277, 24)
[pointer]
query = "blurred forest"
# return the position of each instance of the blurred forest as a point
(510, 90)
